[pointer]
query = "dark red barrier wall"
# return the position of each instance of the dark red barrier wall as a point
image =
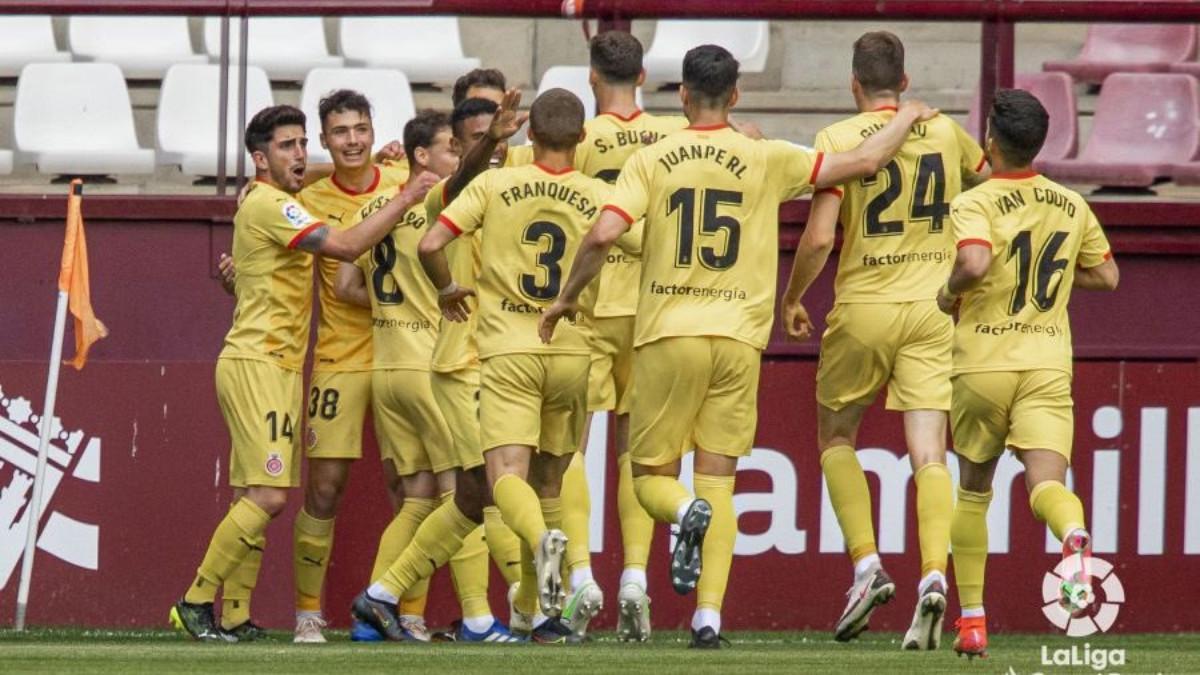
(153, 482)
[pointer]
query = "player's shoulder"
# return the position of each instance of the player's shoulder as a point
(664, 124)
(1057, 194)
(977, 198)
(852, 130)
(392, 171)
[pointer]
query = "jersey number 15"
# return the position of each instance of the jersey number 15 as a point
(683, 200)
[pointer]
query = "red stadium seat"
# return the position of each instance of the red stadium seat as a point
(1133, 48)
(1144, 125)
(1057, 94)
(1187, 67)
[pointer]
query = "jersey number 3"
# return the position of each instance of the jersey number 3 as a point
(684, 201)
(549, 259)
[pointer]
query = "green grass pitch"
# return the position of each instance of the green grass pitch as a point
(751, 653)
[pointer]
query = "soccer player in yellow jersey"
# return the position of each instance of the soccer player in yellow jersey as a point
(885, 328)
(1023, 243)
(259, 370)
(710, 197)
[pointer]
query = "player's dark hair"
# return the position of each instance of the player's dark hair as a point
(617, 57)
(472, 107)
(1018, 123)
(420, 131)
(261, 128)
(878, 62)
(556, 119)
(480, 77)
(342, 100)
(710, 72)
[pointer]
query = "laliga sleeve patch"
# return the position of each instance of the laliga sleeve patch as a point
(274, 464)
(296, 215)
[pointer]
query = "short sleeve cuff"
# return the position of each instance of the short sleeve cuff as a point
(982, 163)
(974, 242)
(812, 178)
(450, 225)
(620, 212)
(831, 190)
(304, 233)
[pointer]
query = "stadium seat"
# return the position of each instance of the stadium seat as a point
(427, 49)
(287, 48)
(1144, 125)
(388, 90)
(575, 80)
(1057, 94)
(76, 119)
(1132, 48)
(6, 161)
(1187, 67)
(748, 41)
(188, 129)
(143, 46)
(27, 39)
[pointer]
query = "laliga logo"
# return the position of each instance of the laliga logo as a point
(1081, 616)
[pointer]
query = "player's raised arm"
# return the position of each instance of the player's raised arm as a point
(875, 152)
(350, 285)
(811, 255)
(346, 245)
(506, 122)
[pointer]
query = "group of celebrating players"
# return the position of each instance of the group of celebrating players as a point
(446, 269)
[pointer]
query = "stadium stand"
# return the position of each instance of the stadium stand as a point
(748, 41)
(388, 90)
(6, 161)
(27, 39)
(142, 46)
(1057, 94)
(575, 80)
(426, 49)
(287, 48)
(188, 130)
(1144, 125)
(1117, 48)
(76, 119)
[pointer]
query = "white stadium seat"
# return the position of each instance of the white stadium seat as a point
(575, 80)
(6, 161)
(388, 91)
(748, 41)
(287, 48)
(143, 46)
(428, 49)
(76, 119)
(27, 39)
(188, 117)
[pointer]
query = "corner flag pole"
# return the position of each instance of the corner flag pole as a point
(33, 514)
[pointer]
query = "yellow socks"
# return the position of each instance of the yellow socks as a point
(637, 527)
(553, 513)
(503, 544)
(526, 601)
(969, 543)
(661, 496)
(577, 508)
(435, 542)
(469, 571)
(851, 499)
(233, 539)
(519, 505)
(718, 542)
(312, 540)
(399, 533)
(235, 594)
(935, 508)
(1056, 506)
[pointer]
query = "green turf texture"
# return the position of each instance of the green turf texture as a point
(751, 653)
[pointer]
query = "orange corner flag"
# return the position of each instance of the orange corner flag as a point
(73, 279)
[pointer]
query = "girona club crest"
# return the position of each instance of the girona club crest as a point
(72, 456)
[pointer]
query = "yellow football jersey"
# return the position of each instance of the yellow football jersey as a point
(456, 348)
(895, 245)
(344, 330)
(710, 252)
(529, 222)
(274, 282)
(404, 307)
(1039, 231)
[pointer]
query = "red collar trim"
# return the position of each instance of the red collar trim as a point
(1015, 175)
(708, 127)
(552, 172)
(886, 107)
(351, 191)
(634, 116)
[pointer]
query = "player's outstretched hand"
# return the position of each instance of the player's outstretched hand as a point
(393, 151)
(507, 120)
(796, 322)
(416, 190)
(922, 110)
(550, 318)
(228, 272)
(454, 303)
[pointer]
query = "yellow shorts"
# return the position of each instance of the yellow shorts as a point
(539, 400)
(693, 392)
(457, 395)
(1022, 410)
(611, 340)
(337, 408)
(261, 404)
(905, 345)
(408, 423)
